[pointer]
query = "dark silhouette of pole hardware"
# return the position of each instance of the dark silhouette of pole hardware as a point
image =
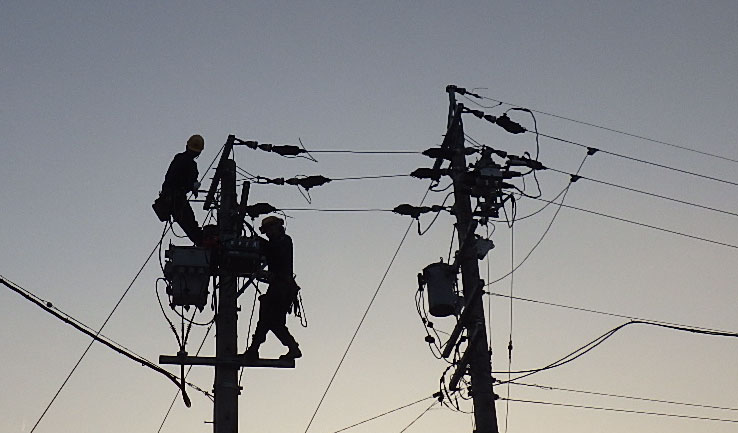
(234, 257)
(477, 358)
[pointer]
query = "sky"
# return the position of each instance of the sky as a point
(96, 98)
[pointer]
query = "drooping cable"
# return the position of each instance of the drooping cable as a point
(560, 204)
(189, 368)
(581, 351)
(363, 317)
(125, 292)
(46, 306)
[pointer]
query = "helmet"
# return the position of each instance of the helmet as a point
(196, 143)
(269, 221)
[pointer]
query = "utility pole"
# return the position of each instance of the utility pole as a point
(232, 258)
(478, 354)
(225, 406)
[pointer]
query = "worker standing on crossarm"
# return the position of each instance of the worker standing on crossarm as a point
(181, 178)
(278, 300)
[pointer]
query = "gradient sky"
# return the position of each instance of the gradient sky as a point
(96, 97)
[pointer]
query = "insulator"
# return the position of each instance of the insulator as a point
(308, 181)
(510, 126)
(428, 173)
(410, 210)
(439, 152)
(257, 209)
(287, 150)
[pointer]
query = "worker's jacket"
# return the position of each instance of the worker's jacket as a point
(181, 175)
(282, 285)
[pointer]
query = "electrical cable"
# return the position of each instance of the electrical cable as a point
(304, 209)
(361, 322)
(640, 137)
(370, 152)
(419, 416)
(626, 397)
(548, 228)
(89, 346)
(581, 351)
(577, 177)
(46, 306)
(125, 292)
(189, 368)
(604, 313)
(643, 161)
(673, 232)
(383, 414)
(639, 412)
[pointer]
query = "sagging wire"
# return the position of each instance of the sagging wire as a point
(434, 341)
(251, 318)
(438, 213)
(189, 368)
(581, 351)
(548, 228)
(95, 335)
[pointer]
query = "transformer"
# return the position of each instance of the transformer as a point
(440, 279)
(187, 272)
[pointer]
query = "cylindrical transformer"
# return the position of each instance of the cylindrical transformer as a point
(440, 280)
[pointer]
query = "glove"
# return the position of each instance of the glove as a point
(195, 188)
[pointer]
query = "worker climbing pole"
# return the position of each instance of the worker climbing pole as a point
(225, 253)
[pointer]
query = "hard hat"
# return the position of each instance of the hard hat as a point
(196, 143)
(270, 220)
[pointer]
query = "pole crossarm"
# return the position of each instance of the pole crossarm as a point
(238, 361)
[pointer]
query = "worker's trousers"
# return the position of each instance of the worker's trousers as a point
(273, 311)
(184, 216)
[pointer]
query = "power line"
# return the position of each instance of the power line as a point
(604, 313)
(626, 397)
(309, 209)
(174, 400)
(639, 412)
(576, 177)
(94, 337)
(629, 134)
(369, 152)
(48, 307)
(419, 416)
(662, 229)
(125, 292)
(363, 317)
(643, 161)
(581, 351)
(383, 414)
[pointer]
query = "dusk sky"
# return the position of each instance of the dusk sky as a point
(97, 96)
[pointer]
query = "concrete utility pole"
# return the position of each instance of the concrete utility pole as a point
(225, 407)
(228, 259)
(478, 354)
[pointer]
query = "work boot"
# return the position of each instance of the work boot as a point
(252, 353)
(293, 353)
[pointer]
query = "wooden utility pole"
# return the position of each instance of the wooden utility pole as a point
(478, 354)
(227, 362)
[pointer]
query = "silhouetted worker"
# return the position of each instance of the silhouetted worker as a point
(180, 179)
(282, 291)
